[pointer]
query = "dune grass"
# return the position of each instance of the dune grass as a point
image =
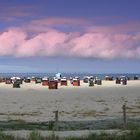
(71, 125)
(133, 135)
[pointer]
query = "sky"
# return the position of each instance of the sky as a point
(93, 36)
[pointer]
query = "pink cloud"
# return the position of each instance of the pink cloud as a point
(60, 21)
(45, 44)
(103, 43)
(119, 28)
(10, 13)
(46, 24)
(10, 41)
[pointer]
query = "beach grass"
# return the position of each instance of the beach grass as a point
(132, 124)
(133, 135)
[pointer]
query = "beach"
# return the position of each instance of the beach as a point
(36, 103)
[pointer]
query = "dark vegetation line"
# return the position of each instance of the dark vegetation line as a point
(133, 135)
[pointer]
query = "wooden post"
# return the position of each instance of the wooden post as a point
(56, 120)
(124, 116)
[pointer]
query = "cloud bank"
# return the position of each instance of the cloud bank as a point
(95, 42)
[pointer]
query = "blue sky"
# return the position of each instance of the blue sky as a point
(99, 36)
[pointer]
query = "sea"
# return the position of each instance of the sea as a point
(80, 75)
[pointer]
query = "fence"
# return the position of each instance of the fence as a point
(123, 122)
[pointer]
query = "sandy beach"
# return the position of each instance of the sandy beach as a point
(36, 103)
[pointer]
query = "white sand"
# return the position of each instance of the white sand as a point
(34, 102)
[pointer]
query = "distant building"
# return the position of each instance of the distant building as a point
(58, 76)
